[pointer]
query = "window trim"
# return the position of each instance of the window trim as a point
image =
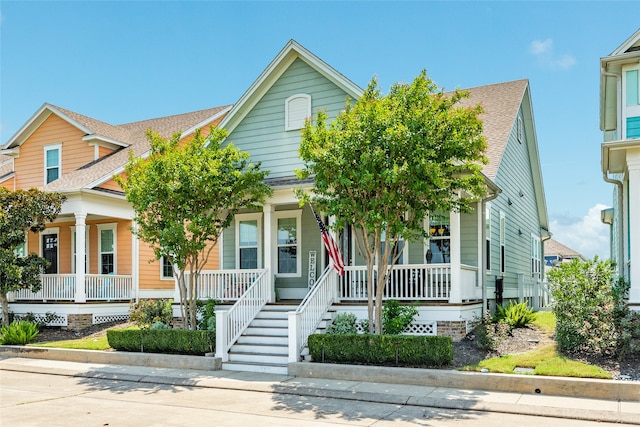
(503, 232)
(520, 129)
(287, 118)
(50, 230)
(113, 226)
(163, 260)
(297, 214)
(536, 249)
(433, 237)
(47, 148)
(487, 242)
(25, 247)
(257, 216)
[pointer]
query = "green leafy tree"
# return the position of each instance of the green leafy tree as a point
(184, 195)
(22, 211)
(389, 160)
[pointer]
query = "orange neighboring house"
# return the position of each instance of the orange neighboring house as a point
(90, 243)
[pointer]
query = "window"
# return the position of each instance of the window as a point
(632, 89)
(21, 250)
(288, 243)
(536, 264)
(248, 236)
(439, 239)
(502, 242)
(166, 269)
(399, 248)
(248, 241)
(52, 161)
(107, 247)
(297, 109)
(487, 229)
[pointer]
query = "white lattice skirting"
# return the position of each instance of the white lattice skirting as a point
(416, 328)
(106, 318)
(55, 320)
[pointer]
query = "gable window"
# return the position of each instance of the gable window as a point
(52, 162)
(166, 269)
(520, 129)
(107, 248)
(502, 242)
(289, 260)
(439, 239)
(536, 263)
(297, 109)
(248, 239)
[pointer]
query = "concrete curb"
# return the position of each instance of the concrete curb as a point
(554, 386)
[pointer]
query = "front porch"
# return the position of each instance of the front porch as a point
(62, 288)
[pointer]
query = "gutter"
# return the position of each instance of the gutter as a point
(620, 214)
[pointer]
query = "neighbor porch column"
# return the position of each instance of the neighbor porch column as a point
(80, 295)
(135, 258)
(456, 264)
(633, 164)
(267, 228)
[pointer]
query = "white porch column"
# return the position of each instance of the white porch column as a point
(633, 164)
(456, 259)
(81, 267)
(267, 228)
(135, 257)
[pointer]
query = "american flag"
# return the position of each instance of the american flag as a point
(330, 244)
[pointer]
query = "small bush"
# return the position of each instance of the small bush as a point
(399, 350)
(490, 334)
(516, 315)
(39, 320)
(396, 317)
(344, 323)
(18, 333)
(159, 325)
(206, 312)
(169, 341)
(145, 313)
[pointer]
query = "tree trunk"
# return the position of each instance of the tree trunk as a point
(370, 290)
(5, 308)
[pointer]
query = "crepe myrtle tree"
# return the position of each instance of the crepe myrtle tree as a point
(386, 161)
(183, 196)
(22, 211)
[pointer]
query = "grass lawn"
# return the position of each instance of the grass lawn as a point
(99, 343)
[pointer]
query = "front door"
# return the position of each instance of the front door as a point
(50, 252)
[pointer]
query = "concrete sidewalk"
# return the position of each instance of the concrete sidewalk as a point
(607, 410)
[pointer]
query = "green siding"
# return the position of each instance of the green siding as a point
(262, 133)
(469, 238)
(514, 175)
(633, 127)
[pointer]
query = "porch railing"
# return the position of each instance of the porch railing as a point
(407, 282)
(109, 287)
(230, 324)
(309, 314)
(225, 285)
(62, 287)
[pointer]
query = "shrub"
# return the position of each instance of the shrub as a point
(145, 313)
(159, 325)
(490, 334)
(207, 315)
(516, 315)
(399, 350)
(19, 332)
(170, 341)
(344, 323)
(396, 317)
(589, 306)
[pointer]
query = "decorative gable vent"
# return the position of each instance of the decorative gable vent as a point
(297, 109)
(520, 130)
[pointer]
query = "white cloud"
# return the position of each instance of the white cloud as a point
(543, 50)
(588, 235)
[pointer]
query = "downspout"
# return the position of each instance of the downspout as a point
(483, 237)
(620, 213)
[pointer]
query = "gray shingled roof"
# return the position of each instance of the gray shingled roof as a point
(553, 247)
(132, 134)
(6, 165)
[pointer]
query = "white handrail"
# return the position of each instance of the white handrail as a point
(224, 285)
(230, 324)
(309, 313)
(109, 287)
(55, 287)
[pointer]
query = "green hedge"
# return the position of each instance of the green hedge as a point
(400, 350)
(171, 341)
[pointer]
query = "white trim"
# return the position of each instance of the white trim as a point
(257, 216)
(487, 221)
(295, 123)
(50, 230)
(86, 248)
(297, 214)
(113, 226)
(503, 254)
(47, 148)
(162, 276)
(536, 256)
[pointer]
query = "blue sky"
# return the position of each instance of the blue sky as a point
(126, 61)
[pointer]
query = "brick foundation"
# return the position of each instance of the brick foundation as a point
(454, 329)
(77, 322)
